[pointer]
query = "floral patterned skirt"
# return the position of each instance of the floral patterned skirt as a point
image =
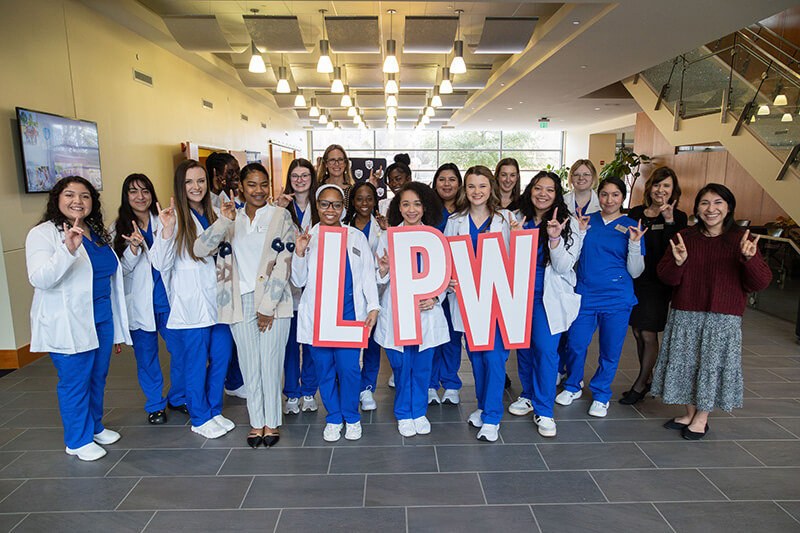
(700, 361)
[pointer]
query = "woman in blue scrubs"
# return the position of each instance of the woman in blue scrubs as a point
(146, 296)
(611, 257)
(78, 311)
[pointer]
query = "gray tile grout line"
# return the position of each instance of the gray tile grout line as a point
(535, 520)
(645, 454)
(405, 513)
(787, 512)
(13, 491)
(278, 521)
(115, 464)
(128, 493)
(480, 484)
(597, 485)
(249, 486)
(713, 484)
(364, 492)
(23, 519)
(783, 428)
(152, 516)
(12, 462)
(230, 450)
(541, 455)
(751, 454)
(436, 457)
(664, 518)
(595, 431)
(774, 374)
(330, 461)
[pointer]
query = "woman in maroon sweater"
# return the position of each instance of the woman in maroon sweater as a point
(712, 266)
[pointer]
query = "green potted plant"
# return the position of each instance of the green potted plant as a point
(625, 166)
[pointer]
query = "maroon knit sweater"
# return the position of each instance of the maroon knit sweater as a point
(715, 277)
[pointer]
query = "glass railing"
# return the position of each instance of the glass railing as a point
(782, 297)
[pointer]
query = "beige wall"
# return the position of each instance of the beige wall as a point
(602, 147)
(61, 57)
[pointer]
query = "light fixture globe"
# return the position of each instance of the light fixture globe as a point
(324, 65)
(391, 85)
(257, 65)
(283, 81)
(314, 110)
(337, 86)
(390, 64)
(445, 87)
(457, 66)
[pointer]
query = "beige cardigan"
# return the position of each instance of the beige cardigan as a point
(273, 295)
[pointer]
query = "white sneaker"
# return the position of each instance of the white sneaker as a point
(521, 407)
(475, 419)
(225, 423)
(209, 430)
(353, 431)
(107, 436)
(451, 396)
(292, 406)
(332, 432)
(422, 425)
(489, 432)
(367, 401)
(561, 377)
(406, 427)
(87, 452)
(237, 393)
(309, 404)
(547, 426)
(566, 397)
(433, 397)
(598, 409)
(391, 380)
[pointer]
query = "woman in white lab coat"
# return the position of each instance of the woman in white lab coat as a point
(78, 310)
(337, 368)
(206, 344)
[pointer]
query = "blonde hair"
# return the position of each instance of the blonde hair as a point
(493, 203)
(588, 164)
(322, 170)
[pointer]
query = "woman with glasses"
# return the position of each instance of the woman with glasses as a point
(582, 199)
(334, 169)
(337, 368)
(298, 198)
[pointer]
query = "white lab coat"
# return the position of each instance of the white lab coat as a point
(458, 224)
(192, 287)
(365, 287)
(297, 292)
(593, 207)
(432, 322)
(375, 233)
(561, 302)
(62, 311)
(138, 277)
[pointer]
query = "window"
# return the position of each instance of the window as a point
(428, 149)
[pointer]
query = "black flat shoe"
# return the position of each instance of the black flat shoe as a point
(672, 424)
(180, 408)
(254, 440)
(271, 439)
(688, 434)
(157, 417)
(631, 397)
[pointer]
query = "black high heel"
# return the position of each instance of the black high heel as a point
(271, 439)
(632, 396)
(254, 440)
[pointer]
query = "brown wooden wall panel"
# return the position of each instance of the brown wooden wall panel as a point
(645, 131)
(770, 210)
(747, 191)
(691, 171)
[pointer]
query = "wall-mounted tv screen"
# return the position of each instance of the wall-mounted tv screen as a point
(54, 147)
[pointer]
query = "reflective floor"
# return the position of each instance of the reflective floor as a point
(624, 472)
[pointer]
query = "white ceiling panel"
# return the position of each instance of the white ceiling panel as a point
(200, 33)
(354, 35)
(417, 77)
(429, 35)
(506, 35)
(307, 77)
(364, 76)
(266, 80)
(276, 34)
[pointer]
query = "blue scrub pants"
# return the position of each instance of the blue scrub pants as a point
(412, 375)
(538, 365)
(298, 381)
(339, 382)
(489, 371)
(234, 379)
(563, 352)
(81, 380)
(207, 353)
(370, 364)
(613, 325)
(447, 358)
(148, 368)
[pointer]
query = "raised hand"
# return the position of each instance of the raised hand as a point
(554, 227)
(301, 241)
(135, 239)
(427, 304)
(264, 322)
(284, 199)
(228, 209)
(383, 263)
(383, 222)
(636, 232)
(668, 211)
(372, 317)
(375, 175)
(679, 250)
(583, 222)
(748, 247)
(517, 225)
(167, 217)
(73, 237)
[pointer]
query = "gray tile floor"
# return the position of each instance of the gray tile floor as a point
(622, 473)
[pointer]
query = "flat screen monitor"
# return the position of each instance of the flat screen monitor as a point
(54, 147)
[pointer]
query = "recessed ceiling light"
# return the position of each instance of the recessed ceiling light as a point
(502, 85)
(510, 108)
(489, 120)
(522, 102)
(583, 66)
(597, 109)
(576, 22)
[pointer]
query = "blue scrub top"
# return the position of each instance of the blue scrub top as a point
(160, 301)
(104, 265)
(474, 231)
(348, 307)
(202, 218)
(365, 231)
(581, 211)
(538, 286)
(445, 215)
(603, 279)
(299, 212)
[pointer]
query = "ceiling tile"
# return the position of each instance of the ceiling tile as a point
(200, 33)
(275, 34)
(354, 35)
(429, 35)
(506, 35)
(266, 80)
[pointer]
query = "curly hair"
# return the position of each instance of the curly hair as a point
(350, 217)
(94, 220)
(526, 208)
(125, 215)
(431, 204)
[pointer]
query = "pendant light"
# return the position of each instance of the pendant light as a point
(324, 65)
(445, 87)
(337, 86)
(314, 110)
(346, 100)
(425, 119)
(351, 111)
(429, 111)
(283, 79)
(257, 65)
(391, 112)
(391, 84)
(299, 100)
(323, 118)
(337, 126)
(330, 125)
(787, 117)
(436, 101)
(391, 101)
(390, 64)
(457, 66)
(780, 100)
(763, 110)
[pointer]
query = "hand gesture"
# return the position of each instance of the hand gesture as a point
(637, 232)
(73, 237)
(554, 227)
(375, 175)
(667, 210)
(383, 263)
(427, 304)
(453, 284)
(167, 217)
(228, 209)
(285, 199)
(748, 247)
(583, 222)
(679, 250)
(264, 322)
(383, 222)
(372, 317)
(135, 239)
(301, 241)
(517, 225)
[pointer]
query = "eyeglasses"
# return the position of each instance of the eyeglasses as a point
(339, 161)
(584, 175)
(325, 204)
(300, 176)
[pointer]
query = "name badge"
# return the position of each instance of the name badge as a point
(357, 252)
(621, 228)
(656, 227)
(261, 229)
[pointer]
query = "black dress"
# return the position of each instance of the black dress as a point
(650, 314)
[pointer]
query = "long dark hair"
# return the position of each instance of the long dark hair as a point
(526, 208)
(724, 193)
(95, 218)
(350, 217)
(312, 190)
(447, 166)
(125, 215)
(431, 205)
(510, 162)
